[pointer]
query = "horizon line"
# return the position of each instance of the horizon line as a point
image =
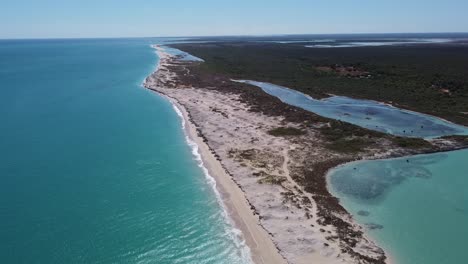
(240, 35)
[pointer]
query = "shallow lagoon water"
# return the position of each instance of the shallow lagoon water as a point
(415, 207)
(378, 43)
(366, 113)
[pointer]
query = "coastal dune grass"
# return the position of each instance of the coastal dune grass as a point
(413, 143)
(271, 179)
(286, 131)
(345, 145)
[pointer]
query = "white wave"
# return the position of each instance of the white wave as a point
(234, 233)
(155, 69)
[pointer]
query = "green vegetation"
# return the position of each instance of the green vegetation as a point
(336, 130)
(413, 143)
(266, 178)
(425, 78)
(347, 138)
(461, 140)
(345, 145)
(271, 179)
(285, 131)
(457, 138)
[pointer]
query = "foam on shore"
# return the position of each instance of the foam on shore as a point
(233, 233)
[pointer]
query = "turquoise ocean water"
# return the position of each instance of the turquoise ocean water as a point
(95, 168)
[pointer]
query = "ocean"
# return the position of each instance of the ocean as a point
(95, 168)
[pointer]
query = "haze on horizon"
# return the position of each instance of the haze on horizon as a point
(139, 18)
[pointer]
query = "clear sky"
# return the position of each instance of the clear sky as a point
(135, 18)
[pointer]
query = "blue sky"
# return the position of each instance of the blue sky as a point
(116, 18)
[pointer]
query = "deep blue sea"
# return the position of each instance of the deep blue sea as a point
(96, 169)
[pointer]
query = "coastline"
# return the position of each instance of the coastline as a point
(276, 225)
(298, 224)
(261, 248)
(238, 208)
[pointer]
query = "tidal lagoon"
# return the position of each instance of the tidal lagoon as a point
(366, 113)
(416, 206)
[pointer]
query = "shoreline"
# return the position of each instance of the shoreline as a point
(325, 233)
(260, 247)
(195, 147)
(237, 206)
(263, 241)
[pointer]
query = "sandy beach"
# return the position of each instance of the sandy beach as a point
(262, 248)
(278, 221)
(260, 175)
